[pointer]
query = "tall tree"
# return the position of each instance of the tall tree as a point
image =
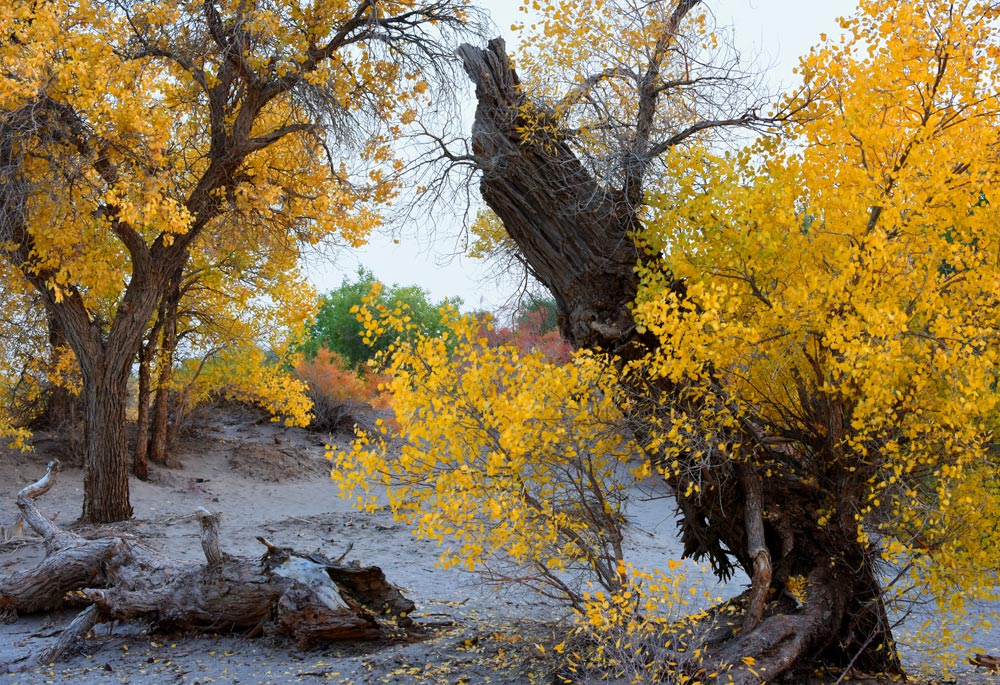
(127, 129)
(866, 260)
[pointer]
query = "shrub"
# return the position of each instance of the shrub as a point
(514, 463)
(336, 328)
(337, 391)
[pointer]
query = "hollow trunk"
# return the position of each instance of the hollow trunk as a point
(575, 235)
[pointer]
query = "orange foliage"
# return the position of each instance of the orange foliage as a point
(329, 376)
(529, 335)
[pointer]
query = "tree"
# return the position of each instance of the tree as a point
(22, 380)
(806, 340)
(242, 299)
(128, 129)
(337, 329)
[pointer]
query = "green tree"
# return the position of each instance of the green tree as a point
(337, 329)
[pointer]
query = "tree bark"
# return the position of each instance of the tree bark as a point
(105, 466)
(140, 455)
(575, 234)
(159, 442)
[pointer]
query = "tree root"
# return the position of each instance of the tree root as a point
(304, 596)
(788, 636)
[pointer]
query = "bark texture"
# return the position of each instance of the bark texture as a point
(159, 443)
(308, 597)
(575, 233)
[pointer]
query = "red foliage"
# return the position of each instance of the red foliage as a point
(528, 336)
(328, 374)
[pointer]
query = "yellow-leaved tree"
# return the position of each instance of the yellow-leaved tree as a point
(129, 129)
(806, 331)
(839, 310)
(514, 462)
(230, 329)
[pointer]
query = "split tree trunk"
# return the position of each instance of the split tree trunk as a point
(305, 596)
(575, 234)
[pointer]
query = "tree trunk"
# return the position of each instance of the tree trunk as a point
(575, 234)
(159, 442)
(105, 466)
(140, 458)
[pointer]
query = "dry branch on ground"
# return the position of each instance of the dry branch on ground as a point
(305, 596)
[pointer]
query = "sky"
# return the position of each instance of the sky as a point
(774, 32)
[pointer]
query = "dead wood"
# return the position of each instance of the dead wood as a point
(307, 597)
(987, 661)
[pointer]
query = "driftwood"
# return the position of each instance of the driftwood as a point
(307, 597)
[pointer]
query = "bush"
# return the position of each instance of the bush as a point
(516, 464)
(338, 392)
(336, 328)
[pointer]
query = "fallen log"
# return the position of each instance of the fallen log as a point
(307, 597)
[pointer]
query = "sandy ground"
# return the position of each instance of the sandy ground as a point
(272, 481)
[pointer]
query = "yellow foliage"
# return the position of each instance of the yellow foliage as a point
(246, 374)
(505, 459)
(840, 291)
(489, 237)
(649, 630)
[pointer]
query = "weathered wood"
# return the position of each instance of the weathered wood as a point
(307, 596)
(29, 512)
(555, 211)
(987, 661)
(75, 631)
(210, 538)
(311, 622)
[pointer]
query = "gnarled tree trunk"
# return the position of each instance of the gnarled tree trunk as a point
(575, 234)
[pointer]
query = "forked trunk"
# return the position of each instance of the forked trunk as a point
(575, 234)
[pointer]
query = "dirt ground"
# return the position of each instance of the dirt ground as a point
(269, 480)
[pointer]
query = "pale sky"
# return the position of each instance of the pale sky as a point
(776, 32)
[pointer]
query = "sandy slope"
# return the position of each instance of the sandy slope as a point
(272, 481)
